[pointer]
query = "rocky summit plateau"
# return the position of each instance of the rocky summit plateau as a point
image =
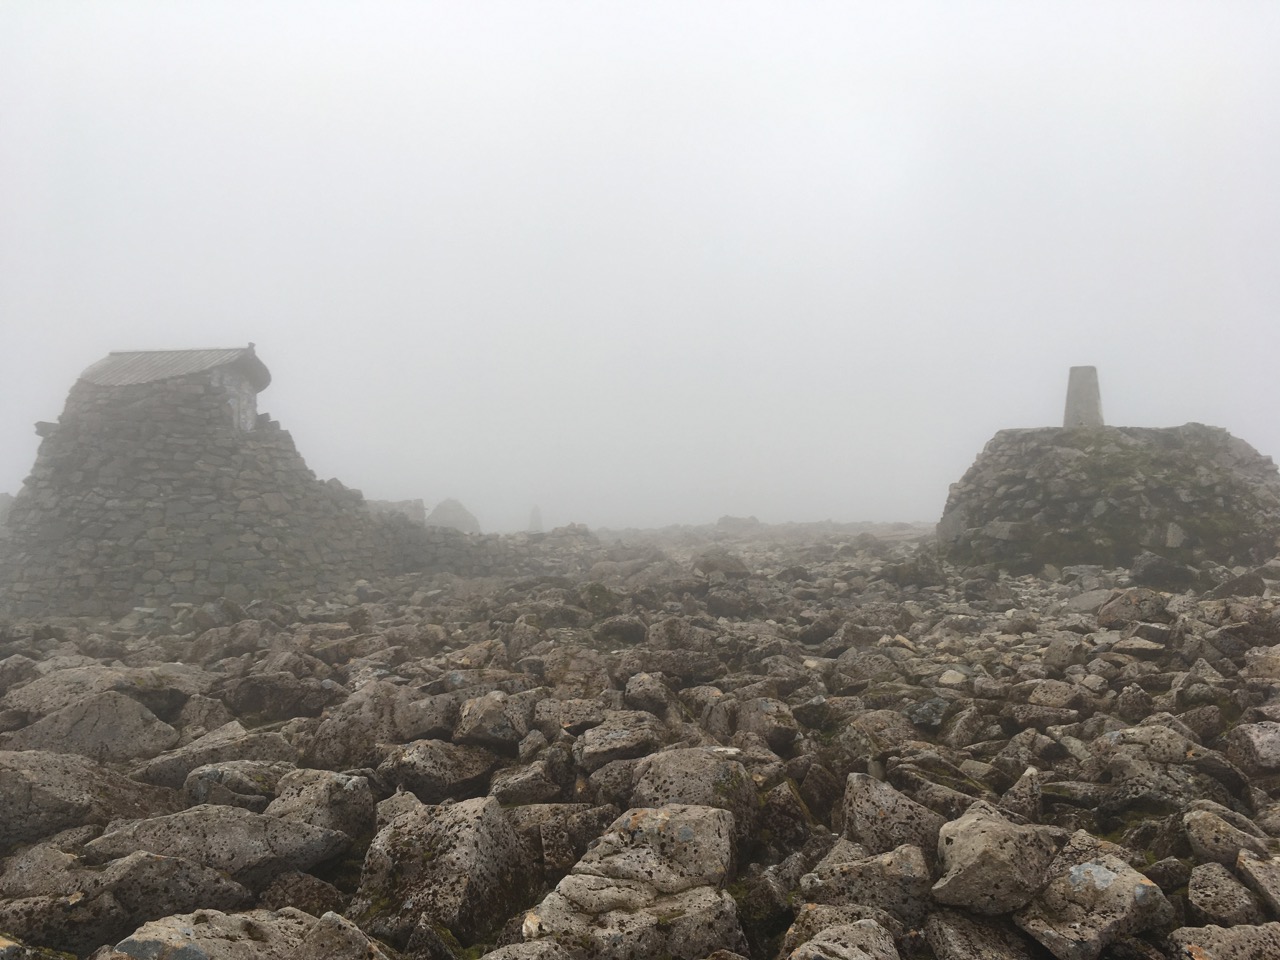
(739, 741)
(249, 715)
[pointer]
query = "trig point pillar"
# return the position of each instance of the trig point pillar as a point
(1084, 399)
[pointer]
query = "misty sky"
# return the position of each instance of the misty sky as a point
(650, 262)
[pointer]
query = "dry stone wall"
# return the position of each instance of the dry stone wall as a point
(415, 510)
(148, 494)
(1104, 494)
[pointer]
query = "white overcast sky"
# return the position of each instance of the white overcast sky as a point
(650, 262)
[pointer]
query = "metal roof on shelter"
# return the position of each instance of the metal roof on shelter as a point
(126, 368)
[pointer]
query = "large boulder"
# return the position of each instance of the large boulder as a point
(649, 887)
(1093, 898)
(460, 866)
(334, 801)
(228, 742)
(354, 733)
(624, 735)
(42, 793)
(957, 936)
(249, 847)
(334, 937)
(860, 940)
(991, 865)
(882, 819)
(710, 777)
(71, 907)
(437, 770)
(159, 688)
(214, 935)
(251, 784)
(897, 881)
(109, 727)
(1242, 942)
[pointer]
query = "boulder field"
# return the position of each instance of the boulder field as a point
(736, 744)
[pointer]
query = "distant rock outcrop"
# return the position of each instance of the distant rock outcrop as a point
(452, 514)
(1105, 494)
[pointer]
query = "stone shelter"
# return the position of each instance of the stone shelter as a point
(161, 482)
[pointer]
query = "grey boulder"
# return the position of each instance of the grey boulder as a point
(229, 742)
(882, 819)
(333, 937)
(861, 940)
(1092, 899)
(436, 770)
(334, 801)
(1214, 896)
(92, 906)
(897, 882)
(1245, 942)
(42, 793)
(624, 735)
(699, 776)
(649, 887)
(108, 727)
(991, 865)
(214, 935)
(460, 866)
(957, 936)
(249, 847)
(236, 783)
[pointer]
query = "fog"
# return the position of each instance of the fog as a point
(655, 262)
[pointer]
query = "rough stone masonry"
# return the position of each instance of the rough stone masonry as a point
(161, 483)
(1089, 493)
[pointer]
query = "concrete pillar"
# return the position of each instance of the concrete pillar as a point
(1084, 399)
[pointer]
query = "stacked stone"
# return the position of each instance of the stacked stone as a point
(415, 510)
(149, 494)
(1105, 494)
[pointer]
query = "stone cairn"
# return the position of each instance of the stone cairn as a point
(1090, 493)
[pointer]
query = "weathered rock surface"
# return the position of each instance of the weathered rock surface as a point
(649, 887)
(249, 847)
(51, 898)
(882, 819)
(42, 793)
(108, 727)
(1222, 943)
(897, 882)
(229, 742)
(991, 866)
(332, 801)
(459, 866)
(701, 777)
(1092, 899)
(1106, 494)
(214, 935)
(837, 728)
(861, 940)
